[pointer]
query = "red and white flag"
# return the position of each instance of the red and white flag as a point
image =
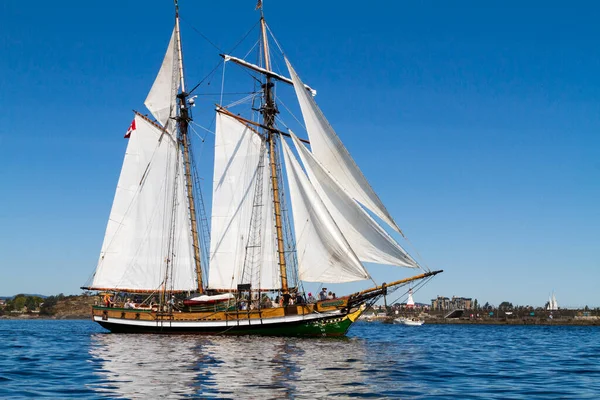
(131, 129)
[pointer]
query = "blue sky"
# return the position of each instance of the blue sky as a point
(478, 125)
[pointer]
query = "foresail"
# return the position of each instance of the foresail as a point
(333, 155)
(324, 254)
(149, 219)
(161, 100)
(369, 241)
(236, 170)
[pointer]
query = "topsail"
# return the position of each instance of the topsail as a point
(161, 100)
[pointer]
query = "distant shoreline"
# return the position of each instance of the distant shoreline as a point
(558, 322)
(25, 317)
(577, 321)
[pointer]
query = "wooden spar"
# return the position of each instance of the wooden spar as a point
(263, 71)
(130, 290)
(183, 120)
(396, 283)
(180, 53)
(265, 42)
(150, 121)
(269, 110)
(249, 122)
(190, 192)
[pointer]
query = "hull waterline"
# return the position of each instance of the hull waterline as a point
(313, 325)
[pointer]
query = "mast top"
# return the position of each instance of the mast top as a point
(179, 51)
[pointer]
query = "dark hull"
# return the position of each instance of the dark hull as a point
(327, 326)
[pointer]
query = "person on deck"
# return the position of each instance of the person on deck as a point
(311, 298)
(323, 294)
(107, 300)
(286, 299)
(172, 303)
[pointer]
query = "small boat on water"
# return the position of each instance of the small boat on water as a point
(409, 321)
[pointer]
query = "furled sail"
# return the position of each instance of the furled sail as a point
(369, 241)
(333, 155)
(236, 169)
(149, 201)
(161, 100)
(324, 254)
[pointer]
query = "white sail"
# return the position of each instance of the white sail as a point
(139, 234)
(324, 254)
(330, 151)
(552, 303)
(161, 100)
(237, 155)
(369, 241)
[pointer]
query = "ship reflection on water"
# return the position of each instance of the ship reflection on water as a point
(165, 366)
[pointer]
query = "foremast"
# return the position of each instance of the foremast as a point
(269, 110)
(183, 119)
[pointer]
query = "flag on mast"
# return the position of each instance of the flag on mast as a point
(130, 129)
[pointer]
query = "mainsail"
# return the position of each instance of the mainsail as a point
(236, 171)
(150, 199)
(324, 254)
(333, 155)
(369, 241)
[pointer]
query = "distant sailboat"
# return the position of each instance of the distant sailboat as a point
(155, 241)
(552, 303)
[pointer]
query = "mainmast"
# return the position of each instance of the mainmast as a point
(269, 111)
(183, 120)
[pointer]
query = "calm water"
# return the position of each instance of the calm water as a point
(78, 359)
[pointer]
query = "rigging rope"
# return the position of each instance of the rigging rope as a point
(291, 113)
(218, 48)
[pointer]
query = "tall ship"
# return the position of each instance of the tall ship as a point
(286, 211)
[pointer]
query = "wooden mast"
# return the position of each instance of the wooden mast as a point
(269, 111)
(183, 120)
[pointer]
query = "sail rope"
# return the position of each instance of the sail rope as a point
(222, 83)
(218, 48)
(427, 269)
(247, 99)
(291, 113)
(252, 48)
(275, 39)
(202, 138)
(415, 289)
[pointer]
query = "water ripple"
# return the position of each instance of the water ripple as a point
(79, 360)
